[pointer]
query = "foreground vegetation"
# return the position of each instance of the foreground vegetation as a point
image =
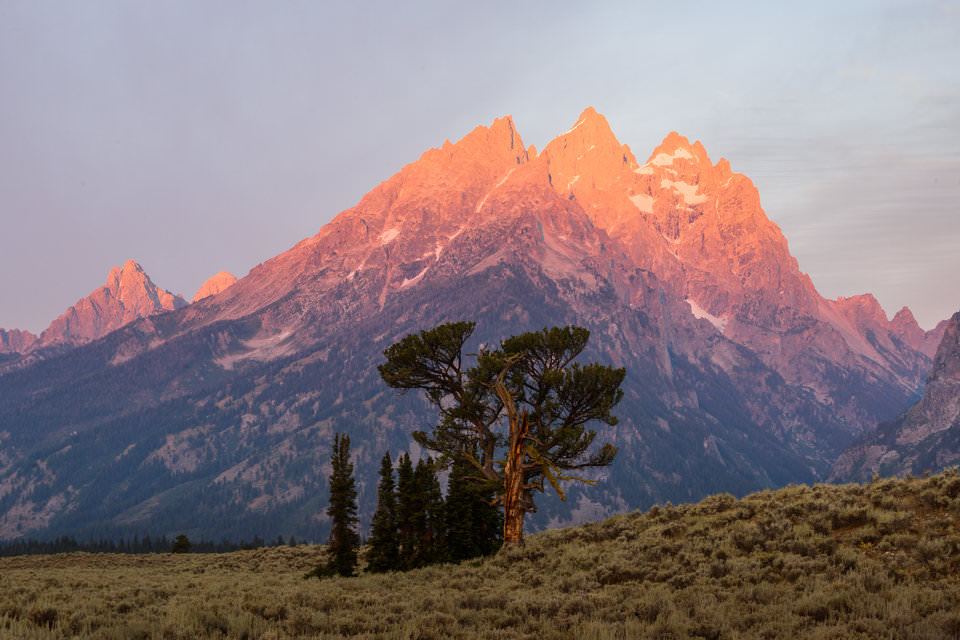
(874, 561)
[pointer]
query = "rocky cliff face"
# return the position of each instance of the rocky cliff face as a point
(926, 437)
(740, 375)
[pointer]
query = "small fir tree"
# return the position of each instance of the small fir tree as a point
(432, 531)
(383, 554)
(407, 507)
(474, 525)
(181, 544)
(344, 538)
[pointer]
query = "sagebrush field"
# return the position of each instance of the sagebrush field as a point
(875, 561)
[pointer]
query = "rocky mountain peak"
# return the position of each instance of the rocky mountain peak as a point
(214, 285)
(127, 295)
(469, 166)
(591, 127)
(139, 296)
(864, 309)
(15, 341)
(677, 147)
(905, 320)
(588, 152)
(905, 327)
(677, 159)
(497, 143)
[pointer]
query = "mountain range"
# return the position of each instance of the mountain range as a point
(926, 436)
(216, 417)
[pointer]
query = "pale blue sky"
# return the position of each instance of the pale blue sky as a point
(197, 136)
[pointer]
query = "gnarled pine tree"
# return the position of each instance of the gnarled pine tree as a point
(532, 384)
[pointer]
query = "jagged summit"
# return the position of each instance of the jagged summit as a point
(591, 126)
(686, 162)
(134, 289)
(588, 151)
(128, 294)
(499, 139)
(15, 341)
(675, 147)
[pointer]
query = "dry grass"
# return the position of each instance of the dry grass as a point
(877, 561)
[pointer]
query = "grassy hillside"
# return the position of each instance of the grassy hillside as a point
(874, 561)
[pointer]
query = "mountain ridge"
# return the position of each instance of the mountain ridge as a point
(229, 403)
(925, 437)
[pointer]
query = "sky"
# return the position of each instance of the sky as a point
(199, 135)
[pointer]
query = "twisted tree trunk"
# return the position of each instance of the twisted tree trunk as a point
(514, 505)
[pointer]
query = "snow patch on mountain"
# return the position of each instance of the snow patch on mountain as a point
(666, 159)
(407, 282)
(389, 236)
(495, 187)
(687, 191)
(643, 202)
(261, 349)
(702, 314)
(571, 129)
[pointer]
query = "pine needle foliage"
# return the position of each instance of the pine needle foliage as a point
(344, 539)
(383, 553)
(474, 523)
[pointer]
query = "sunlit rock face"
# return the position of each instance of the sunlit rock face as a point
(926, 437)
(214, 285)
(128, 295)
(15, 340)
(700, 228)
(739, 374)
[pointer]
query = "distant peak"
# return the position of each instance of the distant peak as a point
(131, 274)
(591, 115)
(675, 140)
(588, 152)
(588, 112)
(864, 305)
(214, 285)
(500, 139)
(592, 125)
(905, 317)
(502, 122)
(676, 146)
